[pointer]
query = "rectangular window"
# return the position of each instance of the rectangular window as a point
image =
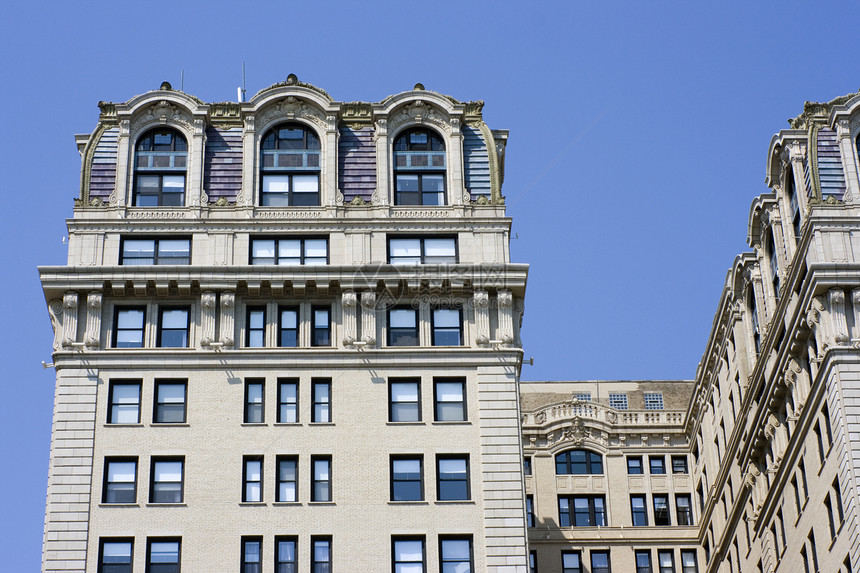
(290, 189)
(455, 554)
(173, 325)
(407, 555)
(163, 251)
(600, 562)
(403, 327)
(447, 327)
(321, 397)
(422, 250)
(688, 561)
(169, 402)
(255, 327)
(254, 392)
(571, 562)
(449, 397)
(805, 558)
(679, 465)
(252, 549)
(288, 327)
(643, 561)
(452, 478)
(533, 561)
(163, 555)
(618, 401)
(530, 511)
(286, 560)
(293, 251)
(288, 400)
(321, 561)
(115, 555)
(582, 511)
(120, 482)
(781, 525)
(684, 509)
(634, 465)
(639, 510)
(661, 510)
(124, 402)
(252, 479)
(657, 464)
(128, 327)
(288, 479)
(653, 400)
(321, 484)
(166, 485)
(837, 498)
(407, 481)
(320, 326)
(404, 403)
(820, 441)
(666, 561)
(527, 465)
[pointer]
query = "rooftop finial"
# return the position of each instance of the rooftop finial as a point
(418, 87)
(292, 80)
(166, 86)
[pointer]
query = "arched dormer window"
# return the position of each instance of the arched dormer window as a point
(794, 204)
(160, 160)
(751, 308)
(419, 168)
(774, 263)
(578, 462)
(290, 167)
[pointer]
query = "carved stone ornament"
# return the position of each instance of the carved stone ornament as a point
(349, 299)
(577, 432)
(368, 299)
(482, 299)
(227, 300)
(505, 298)
(420, 112)
(291, 108)
(540, 417)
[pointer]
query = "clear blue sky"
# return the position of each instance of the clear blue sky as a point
(639, 133)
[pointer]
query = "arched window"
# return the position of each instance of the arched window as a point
(754, 318)
(160, 159)
(794, 206)
(419, 168)
(290, 167)
(578, 462)
(774, 263)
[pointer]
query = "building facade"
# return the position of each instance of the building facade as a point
(287, 339)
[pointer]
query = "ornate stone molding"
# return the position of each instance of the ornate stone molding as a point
(94, 320)
(70, 319)
(368, 318)
(55, 310)
(208, 301)
(228, 317)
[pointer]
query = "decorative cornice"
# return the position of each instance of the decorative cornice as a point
(817, 113)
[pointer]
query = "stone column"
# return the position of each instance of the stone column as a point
(94, 320)
(228, 318)
(350, 321)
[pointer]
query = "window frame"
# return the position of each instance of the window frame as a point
(443, 330)
(324, 415)
(108, 485)
(317, 331)
(160, 171)
(685, 567)
(321, 496)
(408, 333)
(574, 569)
(438, 405)
(410, 565)
(424, 258)
(151, 566)
(530, 510)
(281, 330)
(661, 466)
(280, 481)
(115, 342)
(658, 513)
(686, 513)
(255, 408)
(124, 567)
(641, 469)
(394, 480)
(594, 568)
(393, 405)
(443, 561)
(320, 566)
(285, 403)
(153, 484)
(290, 172)
(564, 459)
(248, 566)
(564, 517)
(114, 407)
(441, 481)
(660, 567)
(618, 400)
(156, 241)
(250, 330)
(434, 138)
(637, 512)
(280, 560)
(303, 255)
(680, 464)
(249, 495)
(646, 568)
(160, 408)
(653, 401)
(161, 330)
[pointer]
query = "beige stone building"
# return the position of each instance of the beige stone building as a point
(287, 339)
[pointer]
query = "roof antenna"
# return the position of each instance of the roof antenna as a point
(241, 90)
(182, 80)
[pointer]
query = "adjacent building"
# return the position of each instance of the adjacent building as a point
(287, 339)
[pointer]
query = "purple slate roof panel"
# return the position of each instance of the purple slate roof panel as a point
(356, 163)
